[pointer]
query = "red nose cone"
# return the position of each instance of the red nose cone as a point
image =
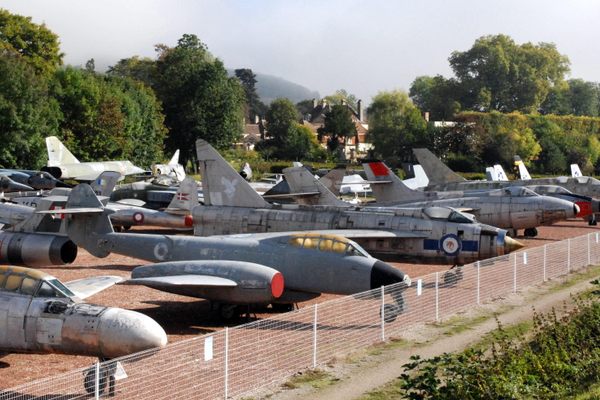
(277, 285)
(188, 220)
(585, 208)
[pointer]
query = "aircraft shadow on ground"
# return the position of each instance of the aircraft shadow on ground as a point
(22, 396)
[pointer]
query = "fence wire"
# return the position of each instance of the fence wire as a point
(238, 361)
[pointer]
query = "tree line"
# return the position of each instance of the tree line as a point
(504, 98)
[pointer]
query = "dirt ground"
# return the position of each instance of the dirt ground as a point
(181, 317)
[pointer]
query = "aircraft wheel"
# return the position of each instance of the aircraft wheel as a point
(531, 232)
(89, 380)
(593, 222)
(228, 311)
(391, 312)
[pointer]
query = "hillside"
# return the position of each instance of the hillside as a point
(270, 87)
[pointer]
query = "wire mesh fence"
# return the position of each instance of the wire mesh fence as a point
(240, 360)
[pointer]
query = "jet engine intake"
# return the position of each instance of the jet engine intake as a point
(35, 250)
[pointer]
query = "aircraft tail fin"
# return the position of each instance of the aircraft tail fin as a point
(420, 179)
(302, 180)
(175, 159)
(87, 219)
(333, 180)
(105, 183)
(523, 173)
(490, 175)
(221, 184)
(575, 171)
(186, 197)
(436, 170)
(390, 188)
(499, 173)
(58, 154)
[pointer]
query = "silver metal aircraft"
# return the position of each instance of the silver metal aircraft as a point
(32, 180)
(63, 164)
(443, 178)
(433, 234)
(512, 208)
(39, 314)
(275, 268)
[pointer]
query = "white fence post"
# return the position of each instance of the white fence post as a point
(545, 262)
(437, 297)
(478, 280)
(226, 362)
(315, 338)
(515, 274)
(97, 381)
(568, 256)
(382, 313)
(589, 262)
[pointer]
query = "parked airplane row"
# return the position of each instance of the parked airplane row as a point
(245, 250)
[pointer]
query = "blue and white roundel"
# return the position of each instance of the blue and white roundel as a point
(450, 244)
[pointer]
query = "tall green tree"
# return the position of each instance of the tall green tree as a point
(438, 96)
(338, 126)
(280, 117)
(27, 114)
(396, 126)
(498, 74)
(254, 107)
(199, 99)
(35, 43)
(340, 97)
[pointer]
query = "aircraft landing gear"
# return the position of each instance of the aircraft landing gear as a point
(282, 307)
(107, 376)
(229, 311)
(592, 221)
(391, 311)
(531, 232)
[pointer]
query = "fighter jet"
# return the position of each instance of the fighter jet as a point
(62, 164)
(9, 185)
(443, 178)
(276, 268)
(172, 169)
(39, 314)
(433, 234)
(32, 180)
(512, 208)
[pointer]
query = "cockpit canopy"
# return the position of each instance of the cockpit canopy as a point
(553, 189)
(448, 214)
(519, 191)
(31, 282)
(327, 243)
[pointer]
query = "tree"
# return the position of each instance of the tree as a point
(341, 97)
(254, 106)
(281, 115)
(436, 95)
(497, 74)
(35, 43)
(584, 97)
(140, 69)
(27, 114)
(199, 99)
(396, 126)
(338, 126)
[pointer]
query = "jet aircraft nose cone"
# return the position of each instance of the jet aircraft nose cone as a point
(384, 274)
(124, 332)
(511, 245)
(18, 187)
(576, 210)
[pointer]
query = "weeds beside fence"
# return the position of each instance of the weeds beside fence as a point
(240, 360)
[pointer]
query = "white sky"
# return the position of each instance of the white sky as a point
(362, 46)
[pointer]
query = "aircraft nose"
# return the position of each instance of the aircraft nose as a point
(511, 245)
(18, 187)
(575, 211)
(384, 274)
(122, 332)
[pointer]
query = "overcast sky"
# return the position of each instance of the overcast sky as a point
(362, 46)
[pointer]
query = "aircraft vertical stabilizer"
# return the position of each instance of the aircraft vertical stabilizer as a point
(175, 159)
(500, 174)
(575, 171)
(221, 184)
(436, 170)
(58, 154)
(523, 173)
(105, 183)
(391, 188)
(302, 180)
(333, 180)
(186, 197)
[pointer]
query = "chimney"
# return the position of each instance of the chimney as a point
(426, 116)
(359, 110)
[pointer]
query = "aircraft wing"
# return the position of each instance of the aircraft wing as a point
(373, 233)
(86, 287)
(132, 202)
(182, 280)
(291, 195)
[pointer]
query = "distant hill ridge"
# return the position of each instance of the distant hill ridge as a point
(269, 88)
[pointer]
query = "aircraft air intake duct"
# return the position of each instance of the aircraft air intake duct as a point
(35, 250)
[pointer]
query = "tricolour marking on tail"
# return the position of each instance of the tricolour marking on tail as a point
(436, 170)
(58, 154)
(389, 188)
(221, 184)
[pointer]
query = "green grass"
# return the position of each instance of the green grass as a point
(315, 377)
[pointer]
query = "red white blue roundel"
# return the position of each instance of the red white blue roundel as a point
(450, 244)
